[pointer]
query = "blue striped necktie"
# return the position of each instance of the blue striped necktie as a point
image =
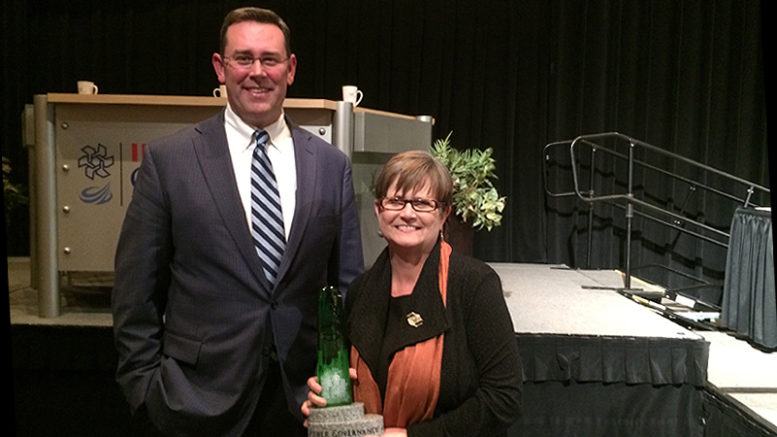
(266, 215)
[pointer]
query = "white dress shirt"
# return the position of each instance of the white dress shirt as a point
(280, 150)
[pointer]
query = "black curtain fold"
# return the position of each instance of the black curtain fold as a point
(554, 409)
(685, 75)
(749, 304)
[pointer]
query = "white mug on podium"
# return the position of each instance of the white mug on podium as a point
(86, 87)
(352, 94)
(221, 91)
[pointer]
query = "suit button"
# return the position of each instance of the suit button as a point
(273, 305)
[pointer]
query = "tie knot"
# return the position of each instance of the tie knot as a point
(261, 137)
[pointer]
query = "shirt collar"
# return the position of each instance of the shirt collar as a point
(278, 130)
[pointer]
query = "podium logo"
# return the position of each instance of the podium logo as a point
(137, 151)
(97, 195)
(95, 161)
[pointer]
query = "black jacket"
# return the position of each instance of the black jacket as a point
(481, 377)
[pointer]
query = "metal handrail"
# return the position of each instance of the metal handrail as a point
(628, 198)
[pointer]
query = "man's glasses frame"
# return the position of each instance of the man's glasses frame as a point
(246, 62)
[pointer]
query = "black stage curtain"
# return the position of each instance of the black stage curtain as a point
(685, 75)
(555, 409)
(612, 386)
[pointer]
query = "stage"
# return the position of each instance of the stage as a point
(596, 362)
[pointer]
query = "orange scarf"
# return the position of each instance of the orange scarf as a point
(413, 384)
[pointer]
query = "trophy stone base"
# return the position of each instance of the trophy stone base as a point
(343, 421)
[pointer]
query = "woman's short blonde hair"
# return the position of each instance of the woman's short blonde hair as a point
(413, 170)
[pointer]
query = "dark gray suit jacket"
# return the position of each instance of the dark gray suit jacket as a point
(191, 305)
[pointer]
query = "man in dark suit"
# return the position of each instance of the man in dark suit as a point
(213, 337)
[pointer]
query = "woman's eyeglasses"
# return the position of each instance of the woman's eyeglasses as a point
(419, 205)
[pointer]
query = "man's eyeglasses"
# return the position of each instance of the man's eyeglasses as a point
(245, 62)
(419, 205)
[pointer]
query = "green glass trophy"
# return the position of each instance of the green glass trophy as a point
(332, 367)
(341, 416)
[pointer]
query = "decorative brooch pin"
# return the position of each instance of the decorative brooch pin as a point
(414, 319)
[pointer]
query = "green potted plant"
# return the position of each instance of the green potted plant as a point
(12, 194)
(476, 202)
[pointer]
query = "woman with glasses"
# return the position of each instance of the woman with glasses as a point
(432, 342)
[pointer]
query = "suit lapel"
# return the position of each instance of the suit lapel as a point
(305, 162)
(213, 155)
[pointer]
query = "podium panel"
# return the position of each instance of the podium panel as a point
(99, 149)
(86, 151)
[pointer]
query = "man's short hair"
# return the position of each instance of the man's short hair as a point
(254, 14)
